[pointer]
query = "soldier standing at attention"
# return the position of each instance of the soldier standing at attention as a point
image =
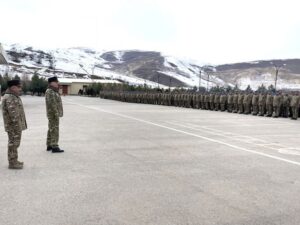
(262, 104)
(269, 104)
(254, 103)
(54, 111)
(286, 105)
(229, 102)
(14, 121)
(277, 104)
(295, 103)
(235, 102)
(240, 103)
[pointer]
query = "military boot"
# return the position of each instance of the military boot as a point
(15, 165)
(57, 150)
(20, 163)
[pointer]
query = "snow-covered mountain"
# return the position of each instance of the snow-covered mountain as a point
(147, 67)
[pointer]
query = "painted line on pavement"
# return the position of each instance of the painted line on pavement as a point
(191, 134)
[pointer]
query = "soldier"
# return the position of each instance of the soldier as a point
(211, 101)
(217, 102)
(235, 102)
(295, 102)
(286, 105)
(262, 104)
(240, 103)
(223, 101)
(54, 111)
(254, 103)
(269, 104)
(14, 121)
(247, 102)
(207, 101)
(277, 103)
(229, 102)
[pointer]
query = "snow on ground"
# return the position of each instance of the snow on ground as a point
(266, 79)
(181, 65)
(214, 81)
(70, 80)
(127, 78)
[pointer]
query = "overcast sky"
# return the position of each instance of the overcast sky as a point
(210, 31)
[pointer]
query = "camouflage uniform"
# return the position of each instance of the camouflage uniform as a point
(229, 102)
(223, 101)
(54, 111)
(247, 103)
(269, 104)
(286, 105)
(240, 103)
(277, 104)
(295, 102)
(235, 103)
(262, 104)
(217, 102)
(254, 103)
(14, 122)
(211, 101)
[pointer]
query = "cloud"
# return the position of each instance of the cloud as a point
(214, 31)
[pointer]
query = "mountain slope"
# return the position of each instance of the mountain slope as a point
(148, 67)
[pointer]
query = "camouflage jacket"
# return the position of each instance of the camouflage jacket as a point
(13, 112)
(277, 100)
(53, 103)
(254, 100)
(295, 101)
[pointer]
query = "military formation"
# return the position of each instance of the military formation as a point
(265, 103)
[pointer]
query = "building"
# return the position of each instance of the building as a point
(71, 86)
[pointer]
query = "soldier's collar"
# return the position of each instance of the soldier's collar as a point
(53, 88)
(11, 93)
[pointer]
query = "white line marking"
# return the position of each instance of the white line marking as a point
(191, 134)
(240, 138)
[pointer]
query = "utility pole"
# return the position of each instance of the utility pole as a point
(199, 80)
(170, 83)
(208, 74)
(277, 68)
(158, 75)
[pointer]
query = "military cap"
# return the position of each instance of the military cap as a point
(52, 79)
(15, 82)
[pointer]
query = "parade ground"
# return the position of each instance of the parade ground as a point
(137, 164)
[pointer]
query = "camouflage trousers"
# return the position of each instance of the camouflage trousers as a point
(229, 107)
(262, 110)
(285, 111)
(241, 108)
(222, 107)
(269, 109)
(254, 109)
(295, 111)
(14, 140)
(235, 107)
(53, 132)
(247, 108)
(276, 111)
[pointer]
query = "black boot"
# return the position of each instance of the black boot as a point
(49, 148)
(57, 150)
